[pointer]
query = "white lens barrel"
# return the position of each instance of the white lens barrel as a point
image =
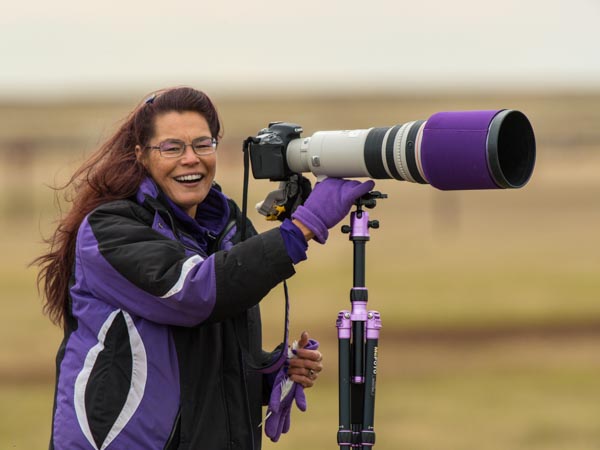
(379, 153)
(331, 153)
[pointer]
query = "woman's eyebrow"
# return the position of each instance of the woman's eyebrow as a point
(182, 140)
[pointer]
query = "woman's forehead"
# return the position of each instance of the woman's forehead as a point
(181, 125)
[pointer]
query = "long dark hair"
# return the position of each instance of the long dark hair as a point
(110, 173)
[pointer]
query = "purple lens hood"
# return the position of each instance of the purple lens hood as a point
(478, 150)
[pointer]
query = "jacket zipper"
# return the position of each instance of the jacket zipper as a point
(224, 233)
(177, 233)
(224, 397)
(218, 243)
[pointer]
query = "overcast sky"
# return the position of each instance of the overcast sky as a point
(59, 48)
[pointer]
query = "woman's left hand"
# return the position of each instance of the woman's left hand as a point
(305, 368)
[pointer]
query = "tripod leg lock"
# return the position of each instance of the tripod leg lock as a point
(373, 324)
(344, 324)
(344, 437)
(359, 294)
(367, 438)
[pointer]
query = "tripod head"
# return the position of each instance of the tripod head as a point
(369, 201)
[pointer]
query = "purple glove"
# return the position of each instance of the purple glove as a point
(329, 202)
(283, 395)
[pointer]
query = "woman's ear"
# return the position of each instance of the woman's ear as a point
(139, 155)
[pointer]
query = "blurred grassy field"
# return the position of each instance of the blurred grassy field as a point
(490, 300)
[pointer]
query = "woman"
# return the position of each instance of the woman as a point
(159, 298)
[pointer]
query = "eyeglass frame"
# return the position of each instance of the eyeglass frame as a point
(185, 146)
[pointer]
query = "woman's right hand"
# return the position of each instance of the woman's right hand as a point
(328, 203)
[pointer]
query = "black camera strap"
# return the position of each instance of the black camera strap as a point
(246, 150)
(275, 361)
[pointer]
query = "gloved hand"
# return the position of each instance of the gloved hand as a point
(283, 395)
(329, 202)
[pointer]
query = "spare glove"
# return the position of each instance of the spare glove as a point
(283, 395)
(329, 202)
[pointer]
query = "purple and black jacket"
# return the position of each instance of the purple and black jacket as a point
(163, 319)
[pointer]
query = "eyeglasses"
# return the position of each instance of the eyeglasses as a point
(174, 148)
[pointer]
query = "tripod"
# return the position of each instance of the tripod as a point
(358, 336)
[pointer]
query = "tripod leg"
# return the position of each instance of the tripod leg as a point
(344, 435)
(368, 433)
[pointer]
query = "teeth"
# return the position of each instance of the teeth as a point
(195, 177)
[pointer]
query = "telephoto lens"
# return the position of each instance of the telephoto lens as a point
(450, 151)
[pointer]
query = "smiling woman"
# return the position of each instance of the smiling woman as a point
(158, 293)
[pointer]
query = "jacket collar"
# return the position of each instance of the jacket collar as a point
(212, 214)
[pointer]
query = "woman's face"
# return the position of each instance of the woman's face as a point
(168, 172)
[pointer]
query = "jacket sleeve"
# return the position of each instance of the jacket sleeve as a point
(123, 261)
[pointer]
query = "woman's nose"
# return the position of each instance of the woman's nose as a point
(189, 157)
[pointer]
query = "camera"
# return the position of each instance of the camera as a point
(456, 150)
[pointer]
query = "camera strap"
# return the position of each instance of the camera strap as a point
(277, 357)
(246, 150)
(255, 358)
